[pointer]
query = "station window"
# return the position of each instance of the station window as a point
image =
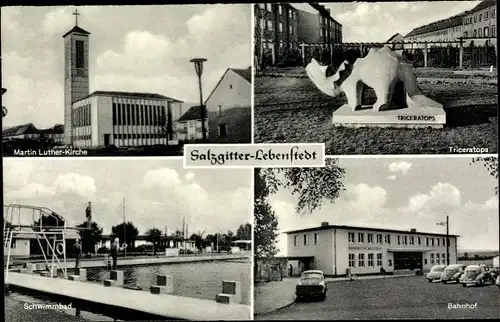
(315, 238)
(412, 240)
(389, 262)
(432, 241)
(425, 261)
(295, 240)
(399, 240)
(405, 240)
(432, 258)
(379, 238)
(379, 259)
(361, 260)
(370, 260)
(418, 240)
(352, 260)
(426, 241)
(437, 240)
(305, 240)
(444, 241)
(351, 237)
(387, 239)
(370, 238)
(361, 237)
(443, 256)
(437, 258)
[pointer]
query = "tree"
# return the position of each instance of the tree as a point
(198, 240)
(53, 220)
(244, 232)
(312, 186)
(491, 165)
(153, 236)
(130, 236)
(466, 255)
(90, 237)
(210, 240)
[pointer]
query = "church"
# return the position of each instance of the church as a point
(105, 118)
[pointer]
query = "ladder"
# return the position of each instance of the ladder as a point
(7, 246)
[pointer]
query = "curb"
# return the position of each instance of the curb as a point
(277, 309)
(367, 279)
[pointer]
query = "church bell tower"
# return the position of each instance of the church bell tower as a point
(76, 73)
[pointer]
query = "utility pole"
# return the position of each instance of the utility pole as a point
(447, 240)
(185, 244)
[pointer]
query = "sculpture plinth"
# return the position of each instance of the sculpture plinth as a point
(399, 100)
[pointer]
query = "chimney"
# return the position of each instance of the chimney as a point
(413, 230)
(324, 224)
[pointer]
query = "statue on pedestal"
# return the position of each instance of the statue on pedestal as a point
(384, 70)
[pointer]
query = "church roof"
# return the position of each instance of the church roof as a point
(130, 94)
(192, 114)
(78, 30)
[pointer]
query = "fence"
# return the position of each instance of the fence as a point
(448, 54)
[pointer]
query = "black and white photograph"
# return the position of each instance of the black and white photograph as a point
(377, 77)
(125, 80)
(378, 239)
(126, 240)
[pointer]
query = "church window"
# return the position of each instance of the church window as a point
(129, 115)
(163, 116)
(79, 54)
(118, 114)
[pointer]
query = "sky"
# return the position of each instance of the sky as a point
(405, 193)
(378, 21)
(132, 48)
(158, 193)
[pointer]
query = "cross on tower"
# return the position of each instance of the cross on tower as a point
(76, 14)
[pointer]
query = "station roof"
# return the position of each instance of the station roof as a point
(327, 227)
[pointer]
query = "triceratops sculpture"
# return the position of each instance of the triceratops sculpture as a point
(382, 69)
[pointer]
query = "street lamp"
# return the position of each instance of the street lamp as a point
(198, 67)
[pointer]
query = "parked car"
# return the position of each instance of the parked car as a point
(476, 274)
(435, 273)
(452, 273)
(311, 284)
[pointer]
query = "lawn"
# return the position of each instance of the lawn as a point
(289, 109)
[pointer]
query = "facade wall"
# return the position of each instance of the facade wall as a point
(447, 34)
(20, 247)
(231, 125)
(309, 27)
(322, 250)
(82, 123)
(366, 251)
(76, 80)
(191, 130)
(480, 24)
(232, 91)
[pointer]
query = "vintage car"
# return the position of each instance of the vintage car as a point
(435, 273)
(452, 273)
(476, 274)
(311, 284)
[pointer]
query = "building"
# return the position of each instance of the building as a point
(396, 41)
(335, 249)
(28, 131)
(21, 132)
(449, 29)
(54, 134)
(229, 108)
(282, 25)
(496, 261)
(188, 127)
(103, 118)
(122, 119)
(479, 23)
(318, 28)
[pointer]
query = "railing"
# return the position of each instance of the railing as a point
(54, 235)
